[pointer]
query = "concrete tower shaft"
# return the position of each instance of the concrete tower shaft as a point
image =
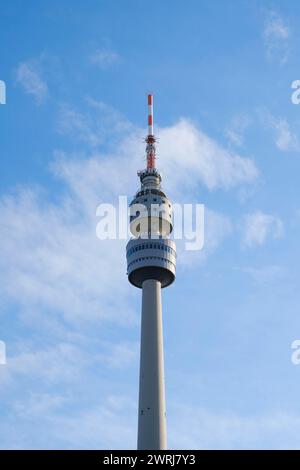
(152, 406)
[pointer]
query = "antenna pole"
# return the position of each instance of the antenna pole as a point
(150, 139)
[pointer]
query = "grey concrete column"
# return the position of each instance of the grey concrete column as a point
(152, 408)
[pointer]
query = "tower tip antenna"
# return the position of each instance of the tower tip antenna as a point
(150, 149)
(150, 114)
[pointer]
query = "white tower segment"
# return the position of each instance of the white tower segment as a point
(151, 265)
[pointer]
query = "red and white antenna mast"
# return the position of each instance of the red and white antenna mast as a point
(150, 139)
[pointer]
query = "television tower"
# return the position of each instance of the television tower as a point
(151, 265)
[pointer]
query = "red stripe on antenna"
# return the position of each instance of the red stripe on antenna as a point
(150, 149)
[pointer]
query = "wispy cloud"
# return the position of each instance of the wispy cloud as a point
(98, 124)
(217, 228)
(59, 363)
(265, 274)
(258, 226)
(205, 161)
(120, 355)
(39, 404)
(104, 58)
(236, 129)
(276, 35)
(108, 424)
(204, 429)
(71, 271)
(29, 76)
(285, 137)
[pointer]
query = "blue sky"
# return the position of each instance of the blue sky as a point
(72, 137)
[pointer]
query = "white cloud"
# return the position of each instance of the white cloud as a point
(285, 139)
(198, 159)
(29, 76)
(104, 58)
(285, 136)
(100, 123)
(203, 429)
(52, 260)
(217, 227)
(110, 424)
(276, 35)
(236, 129)
(275, 26)
(259, 226)
(38, 404)
(120, 355)
(61, 363)
(65, 362)
(265, 274)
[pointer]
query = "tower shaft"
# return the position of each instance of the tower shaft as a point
(152, 407)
